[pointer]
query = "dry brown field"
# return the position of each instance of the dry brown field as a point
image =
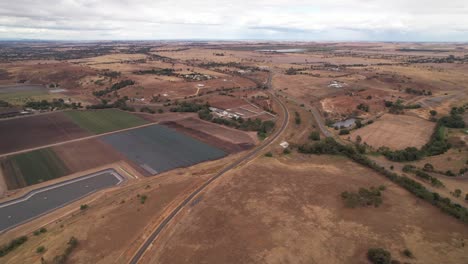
(396, 132)
(289, 210)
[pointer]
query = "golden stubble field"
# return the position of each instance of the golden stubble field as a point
(395, 132)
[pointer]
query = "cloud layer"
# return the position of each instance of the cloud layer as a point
(386, 20)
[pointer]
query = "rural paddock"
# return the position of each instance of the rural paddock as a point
(396, 132)
(157, 148)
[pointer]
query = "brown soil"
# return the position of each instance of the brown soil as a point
(35, 131)
(209, 139)
(222, 132)
(86, 154)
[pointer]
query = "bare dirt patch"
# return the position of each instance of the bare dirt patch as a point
(396, 132)
(222, 132)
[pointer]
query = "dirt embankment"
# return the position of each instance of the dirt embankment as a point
(226, 146)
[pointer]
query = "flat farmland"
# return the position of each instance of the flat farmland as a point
(32, 167)
(102, 121)
(157, 148)
(396, 132)
(86, 154)
(41, 165)
(34, 131)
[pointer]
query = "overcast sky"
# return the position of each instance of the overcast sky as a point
(321, 20)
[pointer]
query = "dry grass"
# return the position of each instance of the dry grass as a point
(290, 211)
(396, 132)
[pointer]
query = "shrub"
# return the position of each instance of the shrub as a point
(286, 151)
(40, 231)
(143, 198)
(428, 167)
(147, 110)
(408, 253)
(297, 118)
(379, 256)
(314, 135)
(83, 207)
(5, 249)
(363, 107)
(344, 132)
(40, 249)
(363, 198)
(269, 154)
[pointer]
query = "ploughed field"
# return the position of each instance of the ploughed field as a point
(158, 148)
(35, 131)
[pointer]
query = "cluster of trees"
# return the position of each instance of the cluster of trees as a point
(364, 197)
(261, 127)
(13, 244)
(149, 110)
(407, 154)
(398, 107)
(189, 107)
(330, 146)
(363, 107)
(423, 175)
(455, 119)
(55, 104)
(111, 74)
(120, 104)
(417, 92)
(165, 71)
(114, 87)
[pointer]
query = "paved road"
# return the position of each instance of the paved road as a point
(315, 113)
(136, 258)
(44, 200)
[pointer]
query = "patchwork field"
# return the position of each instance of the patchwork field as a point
(157, 148)
(102, 121)
(34, 131)
(32, 167)
(396, 132)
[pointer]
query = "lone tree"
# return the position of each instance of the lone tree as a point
(379, 256)
(433, 112)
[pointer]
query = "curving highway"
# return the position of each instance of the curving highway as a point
(251, 155)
